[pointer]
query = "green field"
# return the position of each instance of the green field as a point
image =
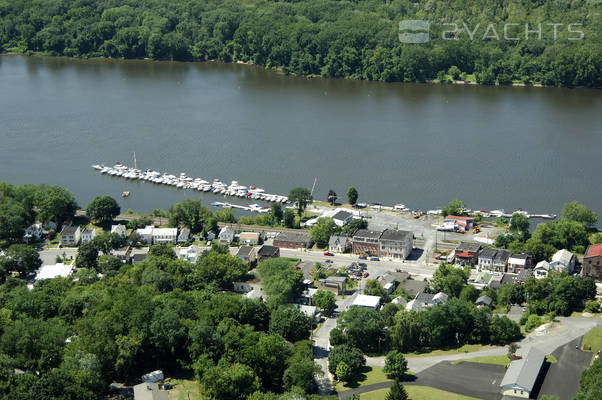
(467, 348)
(496, 360)
(593, 340)
(370, 376)
(418, 393)
(184, 387)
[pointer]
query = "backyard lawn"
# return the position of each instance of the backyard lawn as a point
(467, 348)
(418, 393)
(592, 341)
(370, 376)
(495, 360)
(183, 387)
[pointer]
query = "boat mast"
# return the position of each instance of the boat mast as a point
(313, 186)
(135, 161)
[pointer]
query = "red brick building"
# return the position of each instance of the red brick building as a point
(592, 261)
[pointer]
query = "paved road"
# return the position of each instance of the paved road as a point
(562, 333)
(562, 378)
(470, 379)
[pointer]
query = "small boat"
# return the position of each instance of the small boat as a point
(125, 194)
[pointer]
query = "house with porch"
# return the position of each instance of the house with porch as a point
(395, 244)
(366, 242)
(563, 260)
(467, 253)
(519, 262)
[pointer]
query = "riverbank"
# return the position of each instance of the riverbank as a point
(470, 80)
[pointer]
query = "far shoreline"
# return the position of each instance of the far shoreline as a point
(280, 71)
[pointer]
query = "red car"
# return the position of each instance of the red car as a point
(365, 274)
(328, 253)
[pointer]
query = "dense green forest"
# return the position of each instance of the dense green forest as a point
(354, 39)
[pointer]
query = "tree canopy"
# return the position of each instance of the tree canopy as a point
(329, 38)
(103, 209)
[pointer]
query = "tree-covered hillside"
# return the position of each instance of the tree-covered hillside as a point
(354, 39)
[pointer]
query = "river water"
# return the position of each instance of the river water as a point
(417, 144)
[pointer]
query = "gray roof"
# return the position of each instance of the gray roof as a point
(337, 240)
(365, 233)
(336, 279)
(267, 250)
(501, 256)
(469, 246)
(496, 281)
(413, 286)
(524, 274)
(524, 372)
(488, 253)
(543, 264)
(342, 215)
(521, 256)
(424, 297)
(293, 237)
(564, 256)
(486, 300)
(149, 391)
(392, 234)
(184, 232)
(244, 251)
(69, 230)
(86, 230)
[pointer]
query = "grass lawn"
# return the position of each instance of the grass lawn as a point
(592, 340)
(418, 393)
(183, 387)
(467, 348)
(369, 376)
(496, 360)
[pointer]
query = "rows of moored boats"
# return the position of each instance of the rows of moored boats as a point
(183, 181)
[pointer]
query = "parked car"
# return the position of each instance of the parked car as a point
(365, 275)
(363, 258)
(374, 259)
(328, 253)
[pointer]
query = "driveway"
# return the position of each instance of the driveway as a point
(471, 379)
(563, 377)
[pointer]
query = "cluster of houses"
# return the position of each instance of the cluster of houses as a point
(500, 260)
(152, 235)
(390, 243)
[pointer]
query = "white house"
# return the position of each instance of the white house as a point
(563, 260)
(33, 232)
(342, 218)
(363, 300)
(338, 243)
(54, 271)
(541, 270)
(70, 235)
(190, 254)
(165, 235)
(226, 235)
(119, 230)
(146, 234)
(251, 238)
(87, 235)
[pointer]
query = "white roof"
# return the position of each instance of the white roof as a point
(117, 228)
(363, 300)
(165, 231)
(399, 300)
(145, 231)
(310, 311)
(226, 229)
(543, 264)
(517, 261)
(564, 256)
(54, 271)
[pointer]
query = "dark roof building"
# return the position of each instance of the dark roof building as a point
(366, 242)
(267, 251)
(472, 247)
(484, 301)
(292, 240)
